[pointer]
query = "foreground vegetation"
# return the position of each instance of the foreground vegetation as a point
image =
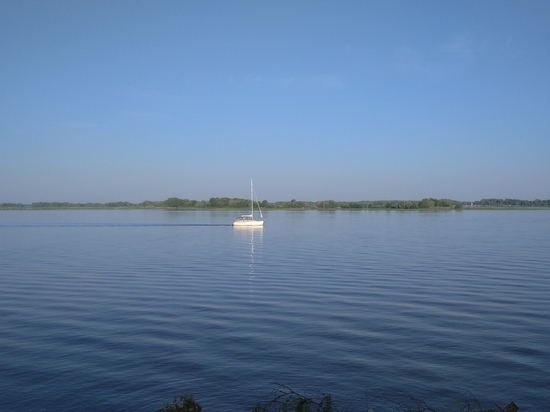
(243, 204)
(284, 399)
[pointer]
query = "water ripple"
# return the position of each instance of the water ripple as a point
(112, 309)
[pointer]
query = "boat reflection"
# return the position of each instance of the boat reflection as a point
(253, 237)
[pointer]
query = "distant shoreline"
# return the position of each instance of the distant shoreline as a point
(225, 203)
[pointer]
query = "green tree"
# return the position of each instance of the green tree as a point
(294, 204)
(173, 202)
(327, 204)
(427, 204)
(443, 203)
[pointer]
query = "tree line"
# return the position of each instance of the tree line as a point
(512, 203)
(237, 203)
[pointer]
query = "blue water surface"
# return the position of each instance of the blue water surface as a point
(121, 310)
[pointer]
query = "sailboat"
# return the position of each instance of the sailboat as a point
(248, 220)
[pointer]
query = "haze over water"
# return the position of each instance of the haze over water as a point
(119, 310)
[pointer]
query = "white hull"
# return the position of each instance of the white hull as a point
(248, 223)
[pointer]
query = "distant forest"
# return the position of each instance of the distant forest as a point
(240, 204)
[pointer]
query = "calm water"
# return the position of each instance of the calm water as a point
(122, 310)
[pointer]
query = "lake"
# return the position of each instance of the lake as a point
(114, 310)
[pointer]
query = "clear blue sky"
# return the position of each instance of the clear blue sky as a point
(347, 100)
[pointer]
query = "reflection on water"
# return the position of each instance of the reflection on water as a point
(253, 237)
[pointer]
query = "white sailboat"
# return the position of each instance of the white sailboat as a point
(248, 220)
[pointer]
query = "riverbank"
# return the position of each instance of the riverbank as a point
(225, 203)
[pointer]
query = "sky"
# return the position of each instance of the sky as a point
(130, 100)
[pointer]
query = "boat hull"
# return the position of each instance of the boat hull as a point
(248, 223)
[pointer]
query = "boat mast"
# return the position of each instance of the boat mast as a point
(251, 199)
